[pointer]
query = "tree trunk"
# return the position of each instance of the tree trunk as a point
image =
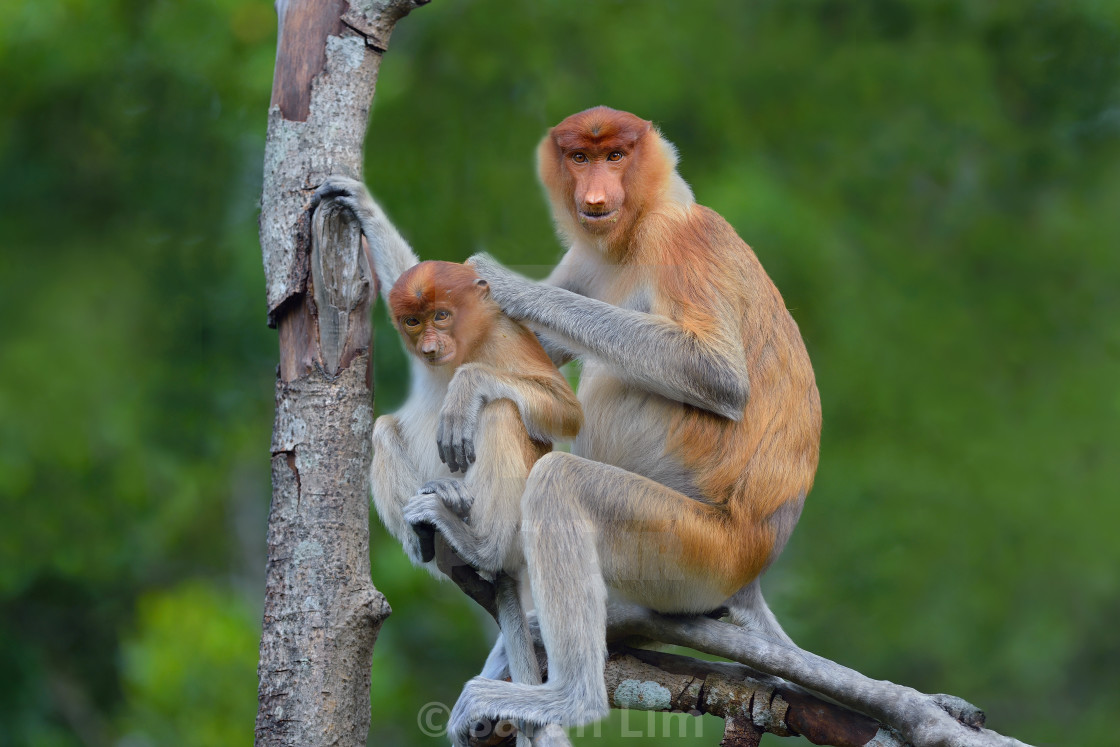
(321, 611)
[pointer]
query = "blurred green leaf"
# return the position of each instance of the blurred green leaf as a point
(190, 669)
(932, 185)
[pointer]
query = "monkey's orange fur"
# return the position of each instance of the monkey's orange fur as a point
(695, 271)
(477, 332)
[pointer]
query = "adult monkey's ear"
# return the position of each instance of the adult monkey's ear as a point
(483, 287)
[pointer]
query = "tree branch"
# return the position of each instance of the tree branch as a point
(777, 689)
(749, 702)
(466, 578)
(921, 720)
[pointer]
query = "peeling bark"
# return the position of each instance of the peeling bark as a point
(906, 715)
(751, 703)
(328, 55)
(322, 613)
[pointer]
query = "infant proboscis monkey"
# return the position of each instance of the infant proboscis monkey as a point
(511, 401)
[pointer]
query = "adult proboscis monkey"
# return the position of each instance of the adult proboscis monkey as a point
(701, 414)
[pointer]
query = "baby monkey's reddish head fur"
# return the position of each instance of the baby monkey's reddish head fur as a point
(443, 311)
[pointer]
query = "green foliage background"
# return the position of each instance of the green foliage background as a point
(933, 185)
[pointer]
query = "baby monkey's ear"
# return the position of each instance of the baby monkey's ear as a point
(483, 287)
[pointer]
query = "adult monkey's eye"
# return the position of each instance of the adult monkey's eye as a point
(442, 314)
(579, 158)
(411, 321)
(616, 155)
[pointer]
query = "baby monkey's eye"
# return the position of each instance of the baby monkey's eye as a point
(616, 155)
(411, 321)
(579, 158)
(442, 315)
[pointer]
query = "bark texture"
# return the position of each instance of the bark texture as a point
(328, 57)
(749, 702)
(321, 613)
(753, 703)
(904, 715)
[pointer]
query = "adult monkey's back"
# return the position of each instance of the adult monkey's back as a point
(701, 415)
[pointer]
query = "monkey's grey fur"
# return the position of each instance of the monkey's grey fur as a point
(586, 508)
